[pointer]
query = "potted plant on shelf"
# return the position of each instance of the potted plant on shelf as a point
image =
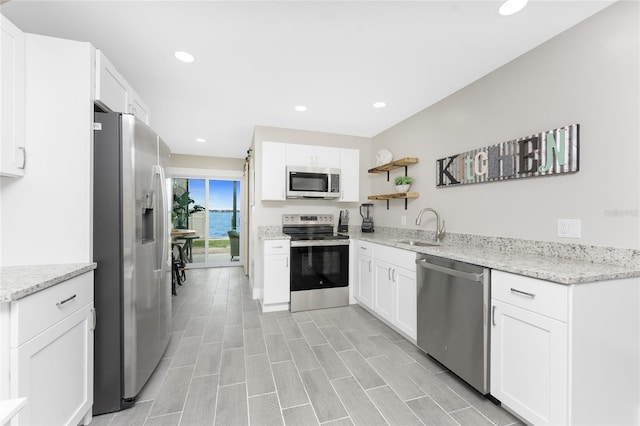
(403, 183)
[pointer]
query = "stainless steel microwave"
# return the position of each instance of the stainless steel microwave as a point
(313, 182)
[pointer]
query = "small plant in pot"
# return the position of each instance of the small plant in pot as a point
(403, 183)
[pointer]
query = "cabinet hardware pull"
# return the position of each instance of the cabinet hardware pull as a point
(369, 266)
(287, 262)
(24, 157)
(393, 275)
(276, 247)
(93, 311)
(523, 293)
(493, 315)
(68, 299)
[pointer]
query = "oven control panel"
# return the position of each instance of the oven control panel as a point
(307, 219)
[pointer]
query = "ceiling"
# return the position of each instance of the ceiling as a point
(255, 61)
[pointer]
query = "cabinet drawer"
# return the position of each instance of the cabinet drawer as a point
(276, 246)
(365, 248)
(544, 297)
(402, 258)
(37, 312)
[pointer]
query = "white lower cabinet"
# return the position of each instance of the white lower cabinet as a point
(387, 285)
(276, 292)
(566, 354)
(49, 343)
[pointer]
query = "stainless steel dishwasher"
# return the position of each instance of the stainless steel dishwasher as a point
(453, 317)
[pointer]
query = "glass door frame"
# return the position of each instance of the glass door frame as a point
(207, 175)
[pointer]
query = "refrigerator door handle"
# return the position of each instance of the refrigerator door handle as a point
(159, 171)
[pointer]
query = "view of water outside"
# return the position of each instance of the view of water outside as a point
(221, 220)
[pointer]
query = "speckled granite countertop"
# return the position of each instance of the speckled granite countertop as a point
(558, 266)
(17, 282)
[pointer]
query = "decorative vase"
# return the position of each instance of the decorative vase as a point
(402, 188)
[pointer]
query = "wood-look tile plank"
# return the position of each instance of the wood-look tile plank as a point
(214, 331)
(290, 328)
(135, 415)
(277, 348)
(196, 326)
(288, 384)
(302, 355)
(231, 408)
(251, 319)
(391, 351)
(311, 333)
(174, 341)
(421, 358)
(336, 338)
(301, 415)
(443, 395)
(429, 412)
(166, 420)
(365, 346)
(209, 358)
(324, 400)
(264, 410)
(361, 370)
(233, 337)
(360, 408)
(471, 417)
(396, 378)
(232, 368)
(173, 392)
(200, 406)
(394, 410)
(301, 316)
(187, 352)
(270, 323)
(330, 362)
(259, 376)
(254, 342)
(320, 318)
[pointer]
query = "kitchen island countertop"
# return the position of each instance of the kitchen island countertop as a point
(17, 282)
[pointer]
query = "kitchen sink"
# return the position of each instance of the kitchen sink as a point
(418, 243)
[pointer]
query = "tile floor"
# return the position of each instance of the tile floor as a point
(229, 364)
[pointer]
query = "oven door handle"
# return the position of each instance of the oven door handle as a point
(316, 243)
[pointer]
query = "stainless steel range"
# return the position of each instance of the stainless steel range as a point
(319, 262)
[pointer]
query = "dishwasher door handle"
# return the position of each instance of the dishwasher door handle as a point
(465, 275)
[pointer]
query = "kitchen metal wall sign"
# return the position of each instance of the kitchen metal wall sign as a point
(547, 153)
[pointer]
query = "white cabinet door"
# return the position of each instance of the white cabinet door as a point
(12, 94)
(529, 364)
(139, 109)
(112, 90)
(276, 272)
(54, 371)
(312, 156)
(273, 171)
(364, 291)
(405, 301)
(383, 289)
(349, 175)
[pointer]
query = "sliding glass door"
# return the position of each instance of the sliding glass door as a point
(211, 209)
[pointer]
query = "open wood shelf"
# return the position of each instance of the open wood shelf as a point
(403, 162)
(397, 195)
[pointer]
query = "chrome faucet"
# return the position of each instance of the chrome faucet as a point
(439, 228)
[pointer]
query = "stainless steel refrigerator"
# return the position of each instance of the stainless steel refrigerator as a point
(131, 244)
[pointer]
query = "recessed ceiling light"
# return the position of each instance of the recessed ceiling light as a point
(379, 104)
(510, 7)
(184, 56)
(200, 140)
(300, 108)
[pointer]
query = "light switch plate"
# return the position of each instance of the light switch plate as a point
(569, 228)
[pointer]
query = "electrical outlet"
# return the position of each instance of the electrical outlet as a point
(403, 219)
(569, 228)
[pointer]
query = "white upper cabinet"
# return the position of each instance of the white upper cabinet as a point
(349, 174)
(313, 156)
(113, 91)
(13, 154)
(273, 171)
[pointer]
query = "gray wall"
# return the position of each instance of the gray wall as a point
(587, 75)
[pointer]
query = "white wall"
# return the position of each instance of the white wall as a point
(588, 75)
(46, 215)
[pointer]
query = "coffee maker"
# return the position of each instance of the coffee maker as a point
(367, 220)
